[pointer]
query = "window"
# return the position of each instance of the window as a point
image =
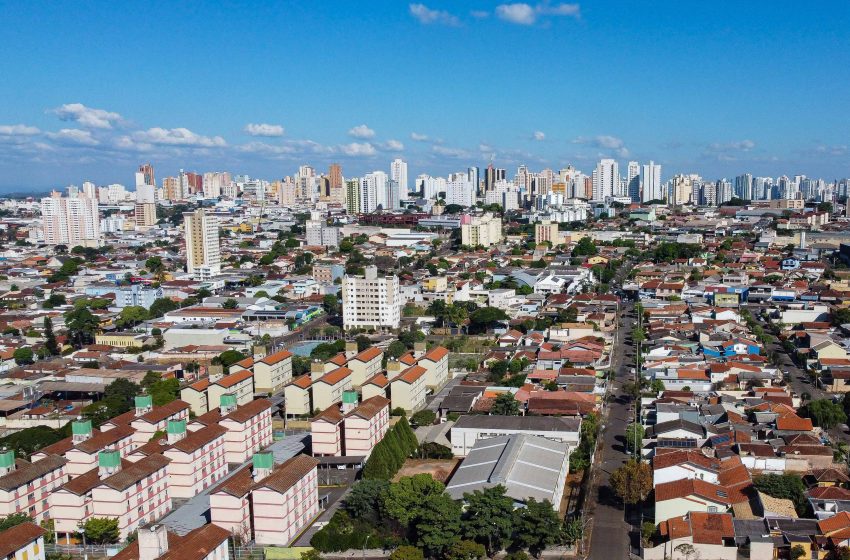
(712, 509)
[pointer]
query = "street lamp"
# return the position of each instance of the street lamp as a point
(82, 532)
(364, 546)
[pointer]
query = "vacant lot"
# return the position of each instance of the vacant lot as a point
(440, 469)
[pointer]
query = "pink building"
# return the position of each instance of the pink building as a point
(230, 504)
(82, 448)
(349, 429)
(196, 458)
(249, 427)
(147, 419)
(326, 432)
(136, 495)
(284, 499)
(205, 543)
(25, 486)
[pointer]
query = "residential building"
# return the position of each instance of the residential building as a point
(203, 259)
(547, 231)
(22, 542)
(606, 179)
(70, 220)
(285, 498)
(483, 230)
(650, 180)
(25, 486)
(209, 542)
(409, 389)
(273, 372)
(197, 459)
(371, 301)
(398, 173)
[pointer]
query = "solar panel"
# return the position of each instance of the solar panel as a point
(677, 443)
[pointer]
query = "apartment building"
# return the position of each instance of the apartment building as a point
(203, 259)
(326, 432)
(209, 542)
(365, 426)
(285, 500)
(371, 301)
(436, 364)
(365, 365)
(82, 448)
(25, 486)
(197, 459)
(249, 428)
(230, 504)
(205, 395)
(296, 396)
(22, 542)
(483, 230)
(408, 389)
(273, 372)
(328, 389)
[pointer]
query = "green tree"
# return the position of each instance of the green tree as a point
(50, 337)
(407, 552)
(131, 316)
(797, 552)
(465, 550)
(634, 436)
(840, 316)
(632, 482)
(101, 530)
(584, 248)
(825, 413)
(161, 306)
(486, 316)
(23, 356)
(82, 325)
(403, 500)
(54, 300)
(437, 526)
(488, 518)
(498, 370)
(364, 499)
(573, 531)
(230, 303)
(536, 526)
(396, 349)
(784, 486)
(311, 554)
(230, 357)
(505, 405)
(14, 520)
(423, 418)
(331, 304)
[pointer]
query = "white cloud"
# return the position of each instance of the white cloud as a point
(87, 116)
(177, 137)
(270, 130)
(18, 130)
(427, 16)
(358, 149)
(74, 136)
(539, 136)
(393, 146)
(519, 13)
(526, 14)
(416, 137)
(605, 142)
(361, 131)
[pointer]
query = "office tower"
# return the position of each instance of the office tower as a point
(352, 196)
(522, 179)
(398, 173)
(489, 177)
(606, 179)
(459, 190)
(744, 186)
(70, 221)
(371, 301)
(483, 230)
(633, 181)
(650, 179)
(203, 259)
(472, 174)
(681, 189)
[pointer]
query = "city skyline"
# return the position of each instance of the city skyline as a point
(543, 84)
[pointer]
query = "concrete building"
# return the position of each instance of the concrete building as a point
(25, 486)
(22, 542)
(547, 231)
(650, 179)
(70, 220)
(398, 173)
(209, 542)
(203, 259)
(349, 429)
(273, 372)
(197, 459)
(483, 230)
(606, 179)
(469, 429)
(371, 301)
(409, 389)
(285, 500)
(296, 397)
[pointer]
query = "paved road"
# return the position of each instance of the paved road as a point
(609, 538)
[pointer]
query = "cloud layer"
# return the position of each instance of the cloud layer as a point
(268, 130)
(86, 116)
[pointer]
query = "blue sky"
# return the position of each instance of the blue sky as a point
(88, 90)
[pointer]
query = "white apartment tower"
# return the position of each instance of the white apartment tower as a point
(398, 173)
(203, 259)
(633, 181)
(650, 179)
(371, 301)
(70, 220)
(483, 230)
(606, 179)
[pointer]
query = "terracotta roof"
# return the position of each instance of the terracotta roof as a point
(287, 474)
(331, 414)
(17, 537)
(828, 475)
(436, 354)
(368, 354)
(339, 359)
(711, 528)
(277, 357)
(335, 376)
(193, 441)
(681, 456)
(139, 470)
(411, 374)
(249, 410)
(234, 378)
(832, 525)
(794, 423)
(370, 407)
(156, 415)
(237, 485)
(303, 382)
(694, 487)
(379, 380)
(26, 472)
(829, 493)
(196, 545)
(102, 440)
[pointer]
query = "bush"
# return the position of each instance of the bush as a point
(423, 418)
(432, 450)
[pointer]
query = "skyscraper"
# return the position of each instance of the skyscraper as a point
(145, 175)
(70, 220)
(472, 173)
(335, 184)
(606, 179)
(203, 259)
(681, 189)
(398, 173)
(352, 196)
(744, 186)
(373, 191)
(633, 181)
(650, 179)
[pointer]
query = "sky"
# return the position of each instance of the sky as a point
(90, 90)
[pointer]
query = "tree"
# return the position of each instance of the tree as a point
(840, 316)
(465, 550)
(505, 405)
(14, 520)
(573, 531)
(54, 300)
(101, 530)
(423, 418)
(230, 303)
(488, 518)
(632, 482)
(498, 370)
(230, 357)
(536, 526)
(161, 306)
(311, 554)
(364, 499)
(797, 552)
(131, 316)
(404, 499)
(407, 552)
(396, 349)
(23, 356)
(437, 527)
(825, 413)
(50, 337)
(331, 304)
(82, 325)
(584, 248)
(784, 486)
(634, 436)
(486, 316)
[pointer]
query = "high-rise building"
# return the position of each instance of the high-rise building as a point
(483, 230)
(215, 183)
(371, 301)
(398, 173)
(203, 259)
(633, 181)
(650, 180)
(145, 209)
(744, 186)
(286, 193)
(606, 179)
(336, 186)
(373, 191)
(459, 190)
(171, 189)
(723, 191)
(681, 190)
(145, 175)
(472, 173)
(70, 221)
(352, 196)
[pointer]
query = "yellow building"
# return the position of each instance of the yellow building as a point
(120, 340)
(435, 284)
(547, 231)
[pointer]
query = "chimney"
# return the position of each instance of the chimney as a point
(80, 430)
(349, 401)
(7, 461)
(153, 542)
(419, 349)
(144, 404)
(227, 404)
(108, 463)
(176, 430)
(350, 349)
(263, 465)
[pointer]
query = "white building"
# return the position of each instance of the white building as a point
(459, 190)
(203, 259)
(650, 178)
(70, 221)
(371, 301)
(483, 230)
(606, 179)
(398, 173)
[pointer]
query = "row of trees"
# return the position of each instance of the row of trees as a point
(389, 454)
(417, 515)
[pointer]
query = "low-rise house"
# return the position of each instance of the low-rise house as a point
(695, 535)
(679, 497)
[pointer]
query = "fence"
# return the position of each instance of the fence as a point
(238, 552)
